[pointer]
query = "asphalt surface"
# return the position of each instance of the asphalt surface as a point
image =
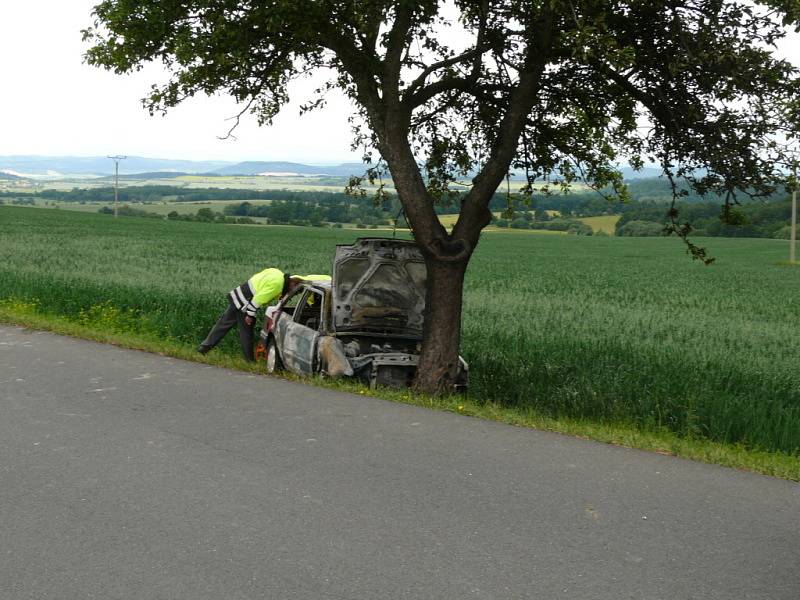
(129, 475)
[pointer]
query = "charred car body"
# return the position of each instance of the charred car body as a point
(366, 322)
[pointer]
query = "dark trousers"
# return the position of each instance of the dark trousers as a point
(232, 316)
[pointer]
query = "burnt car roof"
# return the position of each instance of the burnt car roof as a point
(322, 285)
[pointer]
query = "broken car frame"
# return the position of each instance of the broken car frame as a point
(367, 322)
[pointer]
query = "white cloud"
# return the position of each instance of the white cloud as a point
(53, 104)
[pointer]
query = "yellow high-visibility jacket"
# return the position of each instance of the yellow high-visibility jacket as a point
(264, 287)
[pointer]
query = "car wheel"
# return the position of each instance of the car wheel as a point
(274, 364)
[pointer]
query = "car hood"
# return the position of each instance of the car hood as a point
(379, 287)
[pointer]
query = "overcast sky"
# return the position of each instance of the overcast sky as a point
(53, 104)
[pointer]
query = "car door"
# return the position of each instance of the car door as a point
(298, 342)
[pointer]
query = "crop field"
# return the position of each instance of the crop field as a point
(604, 223)
(610, 330)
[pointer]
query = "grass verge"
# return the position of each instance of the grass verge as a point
(775, 464)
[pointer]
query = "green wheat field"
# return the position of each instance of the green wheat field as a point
(611, 330)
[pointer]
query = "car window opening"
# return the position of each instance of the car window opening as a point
(310, 311)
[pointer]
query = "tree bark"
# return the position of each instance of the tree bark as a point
(447, 255)
(438, 363)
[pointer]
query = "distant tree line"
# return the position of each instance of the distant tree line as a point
(18, 201)
(644, 216)
(750, 219)
(163, 193)
(576, 203)
(310, 213)
(304, 216)
(203, 215)
(587, 203)
(540, 219)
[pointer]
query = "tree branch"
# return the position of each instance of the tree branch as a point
(414, 96)
(401, 29)
(236, 119)
(478, 51)
(474, 212)
(662, 113)
(360, 66)
(448, 84)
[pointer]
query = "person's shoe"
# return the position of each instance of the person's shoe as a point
(203, 349)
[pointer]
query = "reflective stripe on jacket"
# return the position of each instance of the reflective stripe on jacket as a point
(264, 287)
(261, 288)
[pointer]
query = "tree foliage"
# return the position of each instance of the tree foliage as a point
(701, 72)
(470, 89)
(749, 219)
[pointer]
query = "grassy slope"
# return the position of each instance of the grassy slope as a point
(579, 334)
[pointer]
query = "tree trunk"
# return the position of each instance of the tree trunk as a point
(438, 363)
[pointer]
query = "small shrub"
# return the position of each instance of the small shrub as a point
(580, 228)
(641, 229)
(519, 223)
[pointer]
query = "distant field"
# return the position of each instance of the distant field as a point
(515, 186)
(253, 182)
(606, 223)
(248, 182)
(601, 329)
(161, 208)
(332, 184)
(190, 208)
(299, 184)
(164, 208)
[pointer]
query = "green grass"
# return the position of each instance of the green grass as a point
(601, 334)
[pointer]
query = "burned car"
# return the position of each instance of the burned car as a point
(366, 322)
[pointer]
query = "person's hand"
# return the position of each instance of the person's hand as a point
(249, 321)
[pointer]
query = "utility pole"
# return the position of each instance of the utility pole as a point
(793, 238)
(116, 160)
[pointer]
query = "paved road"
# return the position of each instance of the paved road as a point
(129, 475)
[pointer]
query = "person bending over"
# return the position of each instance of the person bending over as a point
(243, 302)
